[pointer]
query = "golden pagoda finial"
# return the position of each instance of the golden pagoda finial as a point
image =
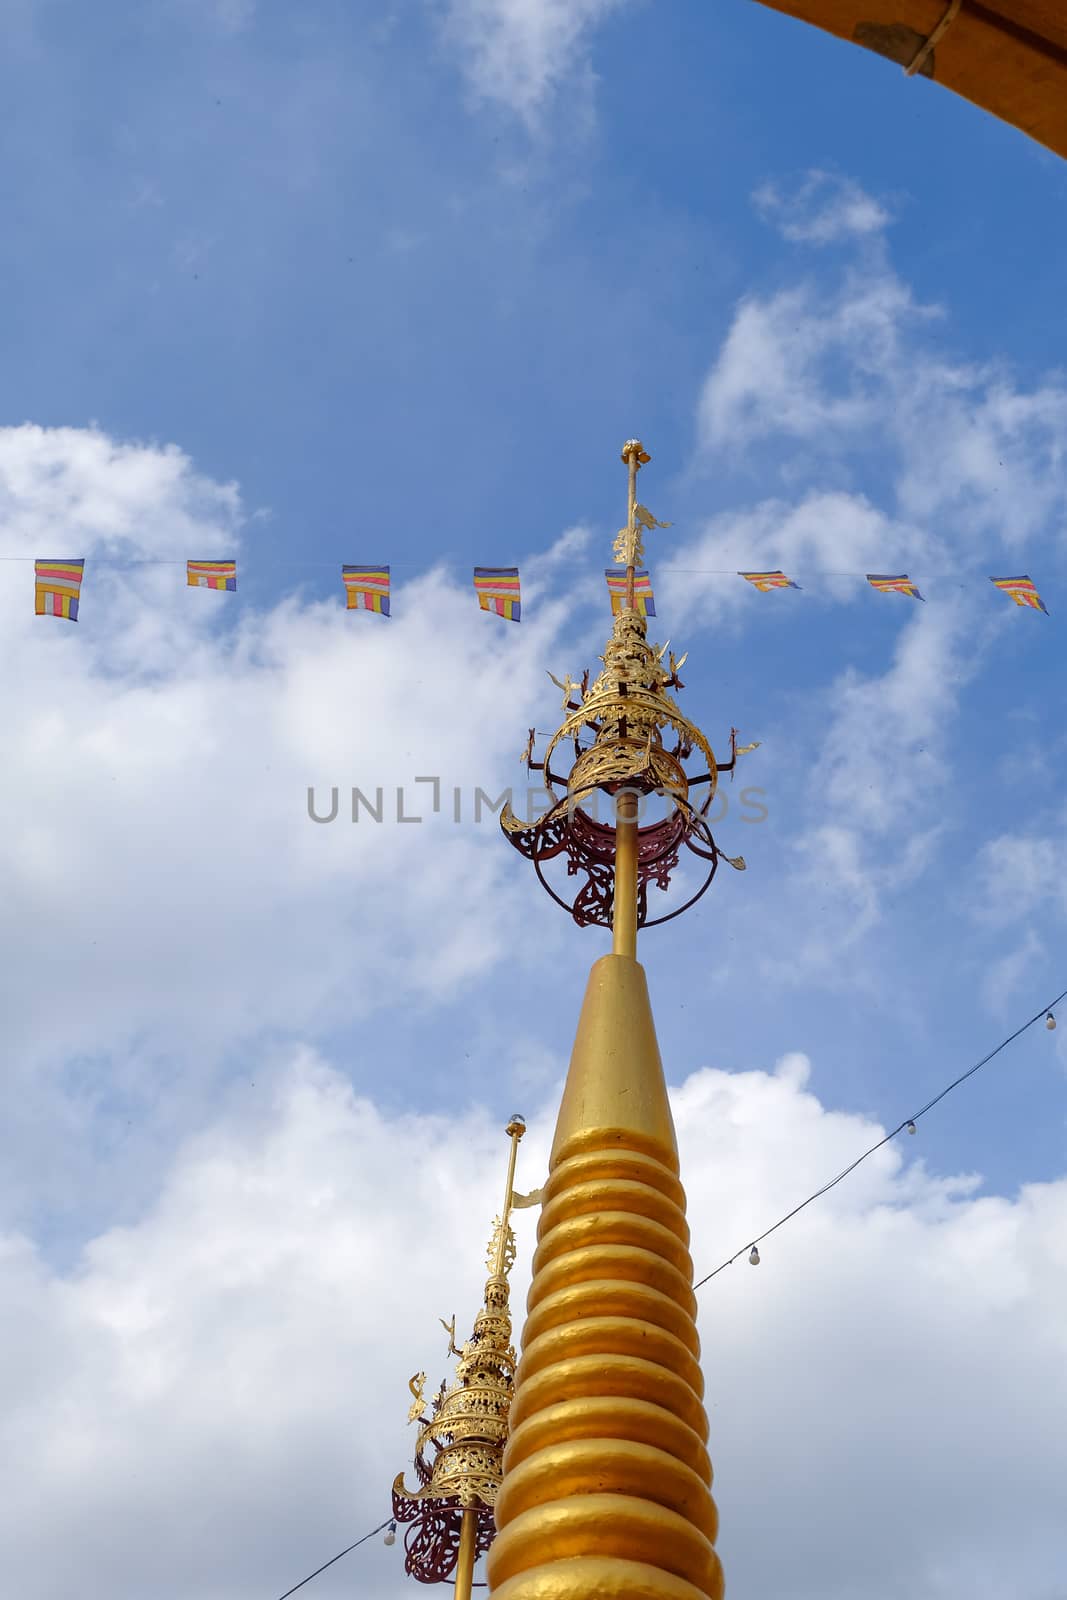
(606, 1488)
(461, 1442)
(629, 710)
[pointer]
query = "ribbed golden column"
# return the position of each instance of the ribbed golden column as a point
(606, 1489)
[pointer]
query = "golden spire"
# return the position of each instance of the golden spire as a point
(606, 1489)
(451, 1511)
(628, 710)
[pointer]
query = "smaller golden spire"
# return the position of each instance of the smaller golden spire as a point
(458, 1457)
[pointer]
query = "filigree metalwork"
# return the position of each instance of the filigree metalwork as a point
(417, 1385)
(629, 546)
(431, 1543)
(501, 1246)
(630, 713)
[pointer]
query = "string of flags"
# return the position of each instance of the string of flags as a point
(58, 584)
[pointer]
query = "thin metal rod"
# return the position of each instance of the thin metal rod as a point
(516, 1129)
(465, 1564)
(624, 913)
(633, 464)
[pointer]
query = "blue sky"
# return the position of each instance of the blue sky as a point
(371, 284)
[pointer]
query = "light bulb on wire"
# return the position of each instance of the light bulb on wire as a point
(390, 1537)
(1050, 1022)
(753, 1259)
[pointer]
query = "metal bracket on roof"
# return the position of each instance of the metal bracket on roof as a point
(926, 49)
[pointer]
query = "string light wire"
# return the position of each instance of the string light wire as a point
(907, 1123)
(337, 1557)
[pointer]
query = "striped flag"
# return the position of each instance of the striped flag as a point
(211, 574)
(1023, 591)
(367, 588)
(899, 585)
(768, 580)
(497, 589)
(57, 588)
(644, 601)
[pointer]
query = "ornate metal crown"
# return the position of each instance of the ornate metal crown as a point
(627, 712)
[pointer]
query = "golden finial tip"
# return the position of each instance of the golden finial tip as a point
(517, 1126)
(634, 447)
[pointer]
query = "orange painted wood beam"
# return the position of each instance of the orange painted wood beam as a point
(1007, 56)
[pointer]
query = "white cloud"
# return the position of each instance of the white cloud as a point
(858, 781)
(227, 16)
(993, 459)
(1010, 975)
(120, 495)
(883, 751)
(877, 799)
(166, 897)
(824, 209)
(825, 541)
(809, 365)
(849, 372)
(224, 1380)
(520, 53)
(874, 808)
(234, 15)
(538, 570)
(1020, 874)
(874, 451)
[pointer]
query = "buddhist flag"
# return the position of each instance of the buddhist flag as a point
(644, 602)
(497, 589)
(211, 574)
(367, 587)
(57, 588)
(1022, 591)
(768, 580)
(899, 585)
